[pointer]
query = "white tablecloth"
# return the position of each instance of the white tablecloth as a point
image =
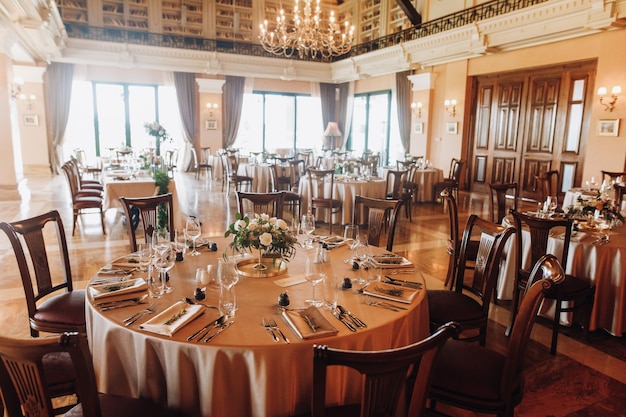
(424, 178)
(242, 372)
(345, 191)
(604, 265)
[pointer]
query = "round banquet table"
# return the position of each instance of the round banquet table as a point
(345, 190)
(242, 372)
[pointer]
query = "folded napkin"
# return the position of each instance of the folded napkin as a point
(302, 321)
(129, 261)
(391, 292)
(110, 289)
(390, 260)
(334, 240)
(172, 319)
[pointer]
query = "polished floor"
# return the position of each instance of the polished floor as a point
(582, 379)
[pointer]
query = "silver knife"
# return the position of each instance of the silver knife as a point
(206, 328)
(114, 302)
(127, 303)
(346, 313)
(220, 330)
(341, 319)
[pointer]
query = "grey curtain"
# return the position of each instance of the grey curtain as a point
(346, 101)
(403, 104)
(327, 97)
(58, 92)
(185, 83)
(233, 102)
(336, 107)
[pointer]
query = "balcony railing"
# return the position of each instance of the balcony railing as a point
(451, 21)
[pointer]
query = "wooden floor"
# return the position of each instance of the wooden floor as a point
(423, 241)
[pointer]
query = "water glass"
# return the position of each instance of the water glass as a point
(314, 273)
(156, 285)
(228, 277)
(227, 301)
(193, 230)
(331, 291)
(145, 256)
(210, 275)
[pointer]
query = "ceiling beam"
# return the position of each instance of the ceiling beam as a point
(407, 7)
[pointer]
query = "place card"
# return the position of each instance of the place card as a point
(289, 281)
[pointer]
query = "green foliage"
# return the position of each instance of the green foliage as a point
(162, 180)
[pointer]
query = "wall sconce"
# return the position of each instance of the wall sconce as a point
(417, 109)
(450, 107)
(212, 107)
(16, 88)
(615, 91)
(28, 101)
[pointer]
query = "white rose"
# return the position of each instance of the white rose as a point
(264, 217)
(273, 220)
(281, 224)
(253, 226)
(265, 239)
(240, 225)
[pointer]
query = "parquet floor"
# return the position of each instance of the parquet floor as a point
(582, 379)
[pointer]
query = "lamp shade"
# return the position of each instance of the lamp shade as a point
(332, 130)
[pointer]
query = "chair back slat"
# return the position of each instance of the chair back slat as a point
(381, 215)
(262, 203)
(148, 210)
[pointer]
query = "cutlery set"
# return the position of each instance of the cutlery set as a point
(272, 328)
(208, 332)
(351, 321)
(382, 304)
(113, 305)
(601, 240)
(403, 283)
(133, 319)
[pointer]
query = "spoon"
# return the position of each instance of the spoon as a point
(193, 302)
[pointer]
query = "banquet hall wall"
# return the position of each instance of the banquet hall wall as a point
(446, 81)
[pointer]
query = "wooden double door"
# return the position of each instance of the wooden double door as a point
(527, 123)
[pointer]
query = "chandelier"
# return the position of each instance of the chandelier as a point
(306, 36)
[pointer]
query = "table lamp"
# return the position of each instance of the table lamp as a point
(332, 131)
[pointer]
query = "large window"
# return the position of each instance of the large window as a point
(106, 116)
(371, 128)
(279, 122)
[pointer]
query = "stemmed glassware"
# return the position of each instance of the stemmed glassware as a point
(164, 258)
(308, 226)
(314, 273)
(351, 233)
(228, 277)
(145, 256)
(193, 230)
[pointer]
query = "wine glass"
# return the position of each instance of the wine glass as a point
(228, 277)
(314, 273)
(552, 204)
(145, 256)
(351, 233)
(164, 258)
(308, 226)
(193, 230)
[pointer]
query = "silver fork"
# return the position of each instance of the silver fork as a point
(268, 327)
(274, 326)
(132, 319)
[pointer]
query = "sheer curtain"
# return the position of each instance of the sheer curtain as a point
(185, 83)
(58, 92)
(337, 100)
(233, 101)
(403, 104)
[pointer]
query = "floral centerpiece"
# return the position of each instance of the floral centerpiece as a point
(268, 235)
(160, 134)
(600, 205)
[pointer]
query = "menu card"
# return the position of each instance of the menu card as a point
(309, 323)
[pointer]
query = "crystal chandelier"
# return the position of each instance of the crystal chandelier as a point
(306, 36)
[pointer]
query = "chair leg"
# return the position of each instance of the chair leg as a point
(75, 220)
(556, 325)
(514, 307)
(104, 232)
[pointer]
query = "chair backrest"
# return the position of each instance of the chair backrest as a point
(612, 176)
(454, 242)
(395, 183)
(545, 274)
(384, 373)
(456, 170)
(548, 184)
(306, 156)
(321, 180)
(72, 180)
(278, 178)
(491, 241)
(194, 156)
(499, 195)
(32, 233)
(23, 380)
(620, 192)
(231, 165)
(297, 170)
(380, 212)
(539, 232)
(206, 153)
(400, 164)
(149, 213)
(262, 203)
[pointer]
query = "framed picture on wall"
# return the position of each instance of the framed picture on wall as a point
(211, 125)
(418, 128)
(31, 120)
(608, 127)
(451, 128)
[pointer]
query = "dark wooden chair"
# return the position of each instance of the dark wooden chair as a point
(451, 182)
(612, 176)
(381, 215)
(280, 181)
(384, 375)
(293, 202)
(620, 192)
(25, 385)
(202, 164)
(578, 291)
(148, 210)
(297, 170)
(262, 203)
(81, 170)
(64, 308)
(482, 380)
(84, 167)
(321, 180)
(82, 199)
(469, 300)
(400, 187)
(454, 242)
(499, 204)
(232, 176)
(548, 184)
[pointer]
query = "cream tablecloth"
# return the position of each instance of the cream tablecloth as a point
(604, 265)
(344, 190)
(242, 372)
(424, 178)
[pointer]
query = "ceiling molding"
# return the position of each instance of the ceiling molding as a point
(207, 85)
(536, 25)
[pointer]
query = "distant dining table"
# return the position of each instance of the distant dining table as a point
(345, 189)
(244, 371)
(604, 264)
(123, 183)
